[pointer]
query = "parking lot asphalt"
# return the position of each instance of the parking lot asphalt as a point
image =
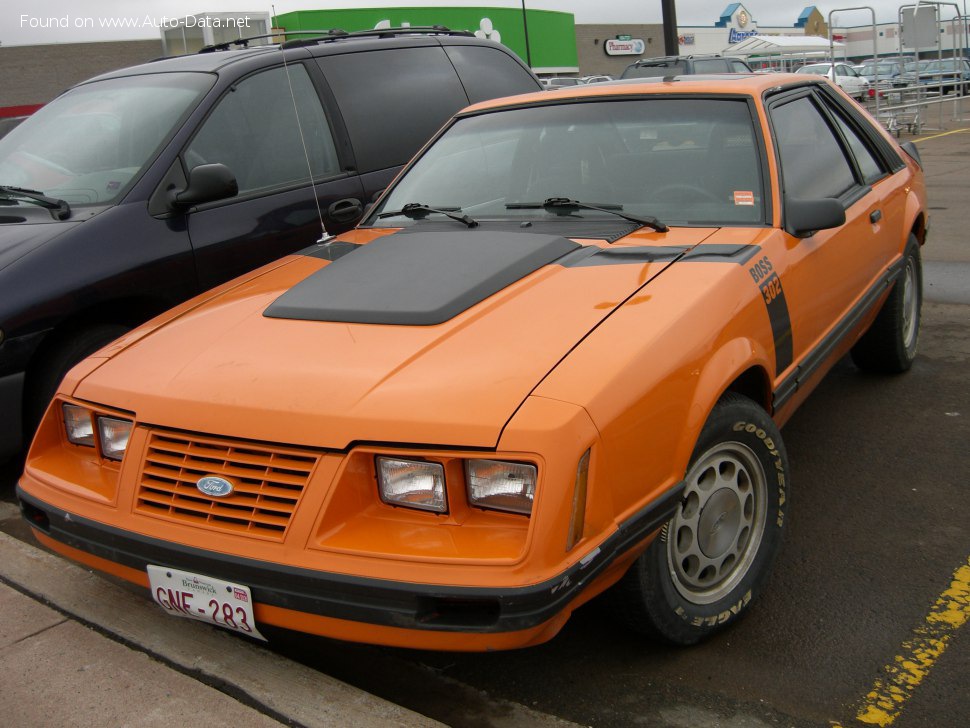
(862, 624)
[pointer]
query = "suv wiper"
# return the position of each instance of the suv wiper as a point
(416, 211)
(60, 209)
(564, 203)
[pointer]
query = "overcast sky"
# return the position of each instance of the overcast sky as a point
(18, 16)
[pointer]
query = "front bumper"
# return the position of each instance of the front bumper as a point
(422, 609)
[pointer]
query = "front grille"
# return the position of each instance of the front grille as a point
(267, 483)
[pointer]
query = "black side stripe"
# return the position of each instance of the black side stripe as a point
(815, 358)
(777, 307)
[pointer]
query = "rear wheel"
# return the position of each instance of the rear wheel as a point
(891, 342)
(713, 557)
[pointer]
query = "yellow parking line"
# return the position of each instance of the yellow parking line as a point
(883, 704)
(937, 136)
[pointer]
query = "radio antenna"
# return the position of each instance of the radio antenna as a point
(324, 235)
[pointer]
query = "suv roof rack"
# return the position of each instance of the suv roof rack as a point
(332, 34)
(244, 42)
(381, 33)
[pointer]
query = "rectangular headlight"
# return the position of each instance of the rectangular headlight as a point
(114, 435)
(412, 483)
(79, 425)
(501, 486)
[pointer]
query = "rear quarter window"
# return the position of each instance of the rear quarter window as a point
(393, 101)
(488, 73)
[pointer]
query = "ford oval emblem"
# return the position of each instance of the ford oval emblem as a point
(214, 485)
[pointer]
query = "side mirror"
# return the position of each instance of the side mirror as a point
(803, 218)
(207, 183)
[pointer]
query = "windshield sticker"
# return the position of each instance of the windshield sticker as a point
(743, 198)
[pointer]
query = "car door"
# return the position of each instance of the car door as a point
(822, 153)
(286, 151)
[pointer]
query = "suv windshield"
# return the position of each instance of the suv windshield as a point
(683, 161)
(88, 145)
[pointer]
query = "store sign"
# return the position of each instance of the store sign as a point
(736, 36)
(686, 40)
(632, 47)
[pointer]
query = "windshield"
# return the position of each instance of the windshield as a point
(89, 144)
(937, 66)
(883, 69)
(683, 161)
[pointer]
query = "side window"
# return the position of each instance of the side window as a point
(868, 164)
(487, 73)
(812, 162)
(738, 67)
(711, 65)
(840, 71)
(393, 101)
(254, 131)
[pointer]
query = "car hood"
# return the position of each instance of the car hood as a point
(17, 239)
(263, 361)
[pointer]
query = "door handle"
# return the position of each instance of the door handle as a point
(346, 210)
(875, 216)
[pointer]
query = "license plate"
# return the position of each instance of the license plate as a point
(185, 594)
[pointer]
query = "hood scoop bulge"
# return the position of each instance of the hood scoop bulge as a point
(418, 278)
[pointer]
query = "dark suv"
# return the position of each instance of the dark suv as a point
(140, 188)
(684, 66)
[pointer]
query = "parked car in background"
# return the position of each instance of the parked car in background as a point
(684, 66)
(601, 78)
(554, 82)
(553, 358)
(941, 76)
(882, 71)
(140, 188)
(844, 76)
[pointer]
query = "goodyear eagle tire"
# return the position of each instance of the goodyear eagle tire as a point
(713, 557)
(891, 342)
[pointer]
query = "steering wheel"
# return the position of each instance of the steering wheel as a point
(677, 189)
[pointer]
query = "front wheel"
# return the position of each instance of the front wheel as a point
(891, 342)
(713, 557)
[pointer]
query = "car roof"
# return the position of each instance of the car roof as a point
(740, 84)
(217, 59)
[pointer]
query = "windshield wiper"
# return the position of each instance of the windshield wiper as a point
(59, 208)
(564, 203)
(417, 211)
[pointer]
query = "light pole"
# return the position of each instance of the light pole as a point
(525, 29)
(671, 42)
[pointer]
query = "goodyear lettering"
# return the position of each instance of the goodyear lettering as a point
(761, 270)
(719, 618)
(758, 432)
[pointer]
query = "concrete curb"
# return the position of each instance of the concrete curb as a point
(271, 684)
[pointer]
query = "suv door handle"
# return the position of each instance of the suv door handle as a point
(875, 216)
(345, 210)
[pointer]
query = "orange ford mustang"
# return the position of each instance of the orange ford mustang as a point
(553, 359)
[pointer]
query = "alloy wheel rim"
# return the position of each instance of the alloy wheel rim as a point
(716, 533)
(910, 304)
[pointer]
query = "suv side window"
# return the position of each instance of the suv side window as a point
(368, 95)
(255, 132)
(813, 164)
(739, 67)
(710, 65)
(487, 73)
